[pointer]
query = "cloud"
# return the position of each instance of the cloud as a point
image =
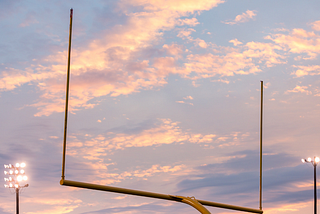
(191, 22)
(235, 42)
(101, 153)
(110, 64)
(180, 6)
(233, 61)
(146, 208)
(244, 17)
(306, 70)
(316, 25)
(298, 41)
(57, 209)
(185, 35)
(163, 132)
(301, 89)
(235, 180)
(107, 178)
(122, 60)
(188, 98)
(97, 150)
(173, 49)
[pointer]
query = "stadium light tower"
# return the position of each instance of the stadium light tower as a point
(14, 175)
(314, 163)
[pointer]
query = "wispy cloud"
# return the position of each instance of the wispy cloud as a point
(316, 25)
(298, 41)
(104, 65)
(235, 42)
(306, 70)
(234, 61)
(244, 17)
(299, 89)
(166, 132)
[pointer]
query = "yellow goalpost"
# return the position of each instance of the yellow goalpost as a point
(196, 203)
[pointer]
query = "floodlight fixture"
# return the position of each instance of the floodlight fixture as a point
(16, 175)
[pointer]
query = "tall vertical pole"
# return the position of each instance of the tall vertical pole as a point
(67, 99)
(315, 186)
(260, 186)
(17, 200)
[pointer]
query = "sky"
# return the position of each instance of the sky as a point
(164, 97)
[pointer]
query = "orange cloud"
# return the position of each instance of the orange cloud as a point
(188, 98)
(306, 70)
(190, 22)
(316, 25)
(235, 42)
(298, 41)
(244, 17)
(288, 208)
(167, 132)
(235, 61)
(178, 5)
(185, 34)
(173, 49)
(301, 89)
(108, 65)
(56, 209)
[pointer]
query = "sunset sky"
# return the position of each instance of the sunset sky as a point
(164, 97)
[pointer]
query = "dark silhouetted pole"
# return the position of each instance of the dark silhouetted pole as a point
(314, 163)
(17, 200)
(315, 187)
(261, 117)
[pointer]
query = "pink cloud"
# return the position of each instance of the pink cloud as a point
(178, 5)
(190, 22)
(299, 89)
(234, 61)
(306, 70)
(244, 17)
(235, 42)
(166, 132)
(188, 98)
(108, 65)
(316, 25)
(173, 49)
(298, 41)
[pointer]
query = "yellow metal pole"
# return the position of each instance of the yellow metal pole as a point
(67, 99)
(261, 116)
(154, 195)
